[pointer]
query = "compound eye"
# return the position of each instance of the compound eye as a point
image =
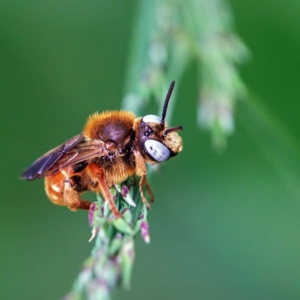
(157, 150)
(151, 119)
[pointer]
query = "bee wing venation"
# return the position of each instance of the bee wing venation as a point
(42, 164)
(83, 152)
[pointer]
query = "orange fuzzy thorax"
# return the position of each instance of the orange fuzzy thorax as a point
(98, 125)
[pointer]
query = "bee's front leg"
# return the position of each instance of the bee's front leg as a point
(142, 182)
(149, 190)
(142, 171)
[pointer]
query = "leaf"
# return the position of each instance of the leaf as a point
(122, 226)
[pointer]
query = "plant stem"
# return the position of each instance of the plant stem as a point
(167, 36)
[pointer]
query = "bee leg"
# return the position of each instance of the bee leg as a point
(72, 198)
(142, 171)
(139, 164)
(97, 177)
(142, 182)
(149, 190)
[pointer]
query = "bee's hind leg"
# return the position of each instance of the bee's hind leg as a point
(72, 198)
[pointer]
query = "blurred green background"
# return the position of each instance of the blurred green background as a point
(223, 227)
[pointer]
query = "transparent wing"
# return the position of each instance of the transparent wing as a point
(73, 151)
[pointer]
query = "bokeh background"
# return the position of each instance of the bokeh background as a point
(225, 226)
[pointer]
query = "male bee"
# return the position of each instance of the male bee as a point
(112, 146)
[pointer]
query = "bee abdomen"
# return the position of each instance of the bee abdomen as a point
(54, 187)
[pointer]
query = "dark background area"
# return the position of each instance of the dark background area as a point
(223, 227)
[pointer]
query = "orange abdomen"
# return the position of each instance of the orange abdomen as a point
(54, 187)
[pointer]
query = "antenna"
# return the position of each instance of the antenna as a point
(171, 129)
(164, 112)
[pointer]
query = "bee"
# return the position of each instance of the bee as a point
(112, 146)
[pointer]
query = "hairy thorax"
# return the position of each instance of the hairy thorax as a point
(115, 129)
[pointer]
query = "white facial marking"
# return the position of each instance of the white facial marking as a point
(157, 150)
(151, 118)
